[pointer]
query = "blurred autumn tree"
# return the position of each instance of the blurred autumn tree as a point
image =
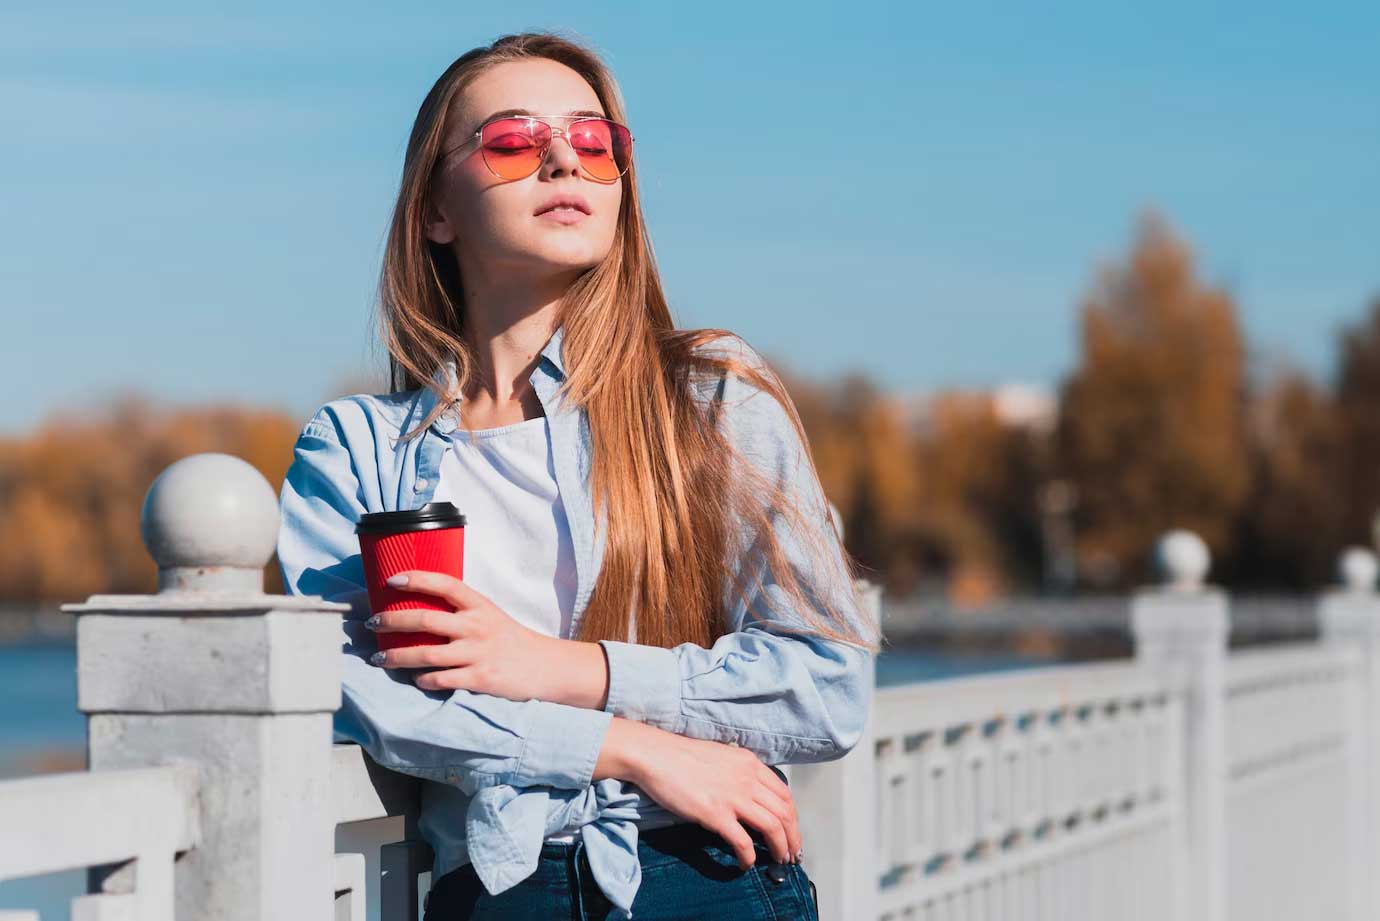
(1292, 526)
(72, 492)
(1152, 428)
(948, 501)
(979, 476)
(863, 454)
(1358, 423)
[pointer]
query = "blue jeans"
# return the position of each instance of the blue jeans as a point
(688, 874)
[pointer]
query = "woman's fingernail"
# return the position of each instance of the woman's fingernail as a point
(373, 622)
(395, 581)
(377, 658)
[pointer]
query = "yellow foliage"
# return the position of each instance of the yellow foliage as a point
(71, 494)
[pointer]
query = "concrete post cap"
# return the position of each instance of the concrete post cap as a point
(1357, 567)
(210, 521)
(1183, 560)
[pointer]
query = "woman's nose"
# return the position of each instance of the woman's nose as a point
(561, 158)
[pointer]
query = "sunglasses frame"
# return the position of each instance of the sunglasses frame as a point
(556, 132)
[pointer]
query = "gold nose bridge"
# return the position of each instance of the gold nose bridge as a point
(555, 133)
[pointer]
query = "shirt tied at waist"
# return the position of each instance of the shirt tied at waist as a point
(507, 825)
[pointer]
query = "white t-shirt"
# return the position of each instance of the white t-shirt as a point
(518, 549)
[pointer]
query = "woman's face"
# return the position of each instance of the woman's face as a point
(493, 224)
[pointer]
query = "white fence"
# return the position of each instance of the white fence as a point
(1186, 784)
(1041, 795)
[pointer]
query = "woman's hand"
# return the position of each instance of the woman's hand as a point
(488, 651)
(713, 784)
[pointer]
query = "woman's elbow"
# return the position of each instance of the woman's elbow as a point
(849, 704)
(850, 725)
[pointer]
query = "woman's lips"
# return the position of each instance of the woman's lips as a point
(563, 215)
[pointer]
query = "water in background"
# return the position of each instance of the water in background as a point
(38, 687)
(41, 731)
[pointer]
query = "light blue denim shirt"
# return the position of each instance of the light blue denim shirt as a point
(501, 775)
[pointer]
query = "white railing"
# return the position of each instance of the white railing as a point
(1186, 784)
(376, 836)
(1287, 712)
(1288, 716)
(997, 792)
(134, 822)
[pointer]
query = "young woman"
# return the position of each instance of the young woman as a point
(656, 607)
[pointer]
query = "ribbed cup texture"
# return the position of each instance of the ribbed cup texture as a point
(436, 550)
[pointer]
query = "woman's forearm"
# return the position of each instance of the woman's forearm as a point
(578, 675)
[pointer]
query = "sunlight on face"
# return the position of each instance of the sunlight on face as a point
(492, 223)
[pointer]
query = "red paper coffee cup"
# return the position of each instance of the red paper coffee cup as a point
(430, 538)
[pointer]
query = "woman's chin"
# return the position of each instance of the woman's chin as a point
(573, 259)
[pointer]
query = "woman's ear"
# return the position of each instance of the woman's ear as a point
(435, 225)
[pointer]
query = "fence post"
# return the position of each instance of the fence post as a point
(836, 802)
(1350, 616)
(214, 672)
(1181, 630)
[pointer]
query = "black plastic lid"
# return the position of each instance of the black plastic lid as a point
(430, 517)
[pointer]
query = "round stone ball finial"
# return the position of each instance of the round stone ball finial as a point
(1358, 569)
(210, 522)
(1183, 560)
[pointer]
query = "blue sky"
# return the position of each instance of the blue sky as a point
(195, 200)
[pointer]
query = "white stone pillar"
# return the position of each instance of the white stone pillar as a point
(836, 802)
(1350, 616)
(1181, 630)
(214, 672)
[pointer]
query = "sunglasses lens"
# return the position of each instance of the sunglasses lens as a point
(513, 147)
(605, 148)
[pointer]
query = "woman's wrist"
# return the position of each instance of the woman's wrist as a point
(578, 674)
(620, 755)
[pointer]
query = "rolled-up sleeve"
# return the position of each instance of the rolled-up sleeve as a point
(465, 738)
(788, 697)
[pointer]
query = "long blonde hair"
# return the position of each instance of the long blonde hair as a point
(676, 491)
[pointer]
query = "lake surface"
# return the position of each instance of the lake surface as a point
(38, 684)
(40, 725)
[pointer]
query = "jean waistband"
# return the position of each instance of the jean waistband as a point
(681, 833)
(668, 837)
